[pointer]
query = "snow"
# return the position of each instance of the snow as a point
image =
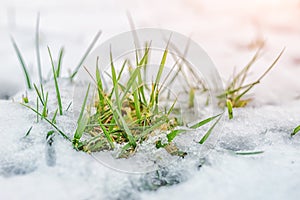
(25, 162)
(31, 169)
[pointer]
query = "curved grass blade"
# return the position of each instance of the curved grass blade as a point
(28, 132)
(296, 130)
(174, 133)
(81, 122)
(261, 77)
(203, 122)
(49, 121)
(40, 97)
(53, 120)
(22, 62)
(204, 138)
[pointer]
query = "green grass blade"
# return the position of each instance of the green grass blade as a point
(49, 134)
(87, 52)
(161, 67)
(28, 132)
(136, 56)
(122, 69)
(130, 82)
(158, 77)
(38, 94)
(83, 105)
(173, 134)
(42, 92)
(37, 108)
(203, 122)
(22, 62)
(145, 57)
(56, 84)
(99, 86)
(25, 98)
(296, 130)
(107, 135)
(81, 122)
(143, 63)
(37, 48)
(69, 106)
(229, 108)
(45, 110)
(172, 107)
(115, 82)
(59, 64)
(137, 104)
(207, 134)
(53, 120)
(130, 137)
(245, 153)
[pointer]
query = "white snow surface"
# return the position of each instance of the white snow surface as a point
(29, 169)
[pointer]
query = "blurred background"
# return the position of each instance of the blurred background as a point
(230, 31)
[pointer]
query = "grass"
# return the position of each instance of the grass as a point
(49, 121)
(59, 64)
(22, 62)
(246, 153)
(81, 123)
(42, 97)
(56, 84)
(128, 113)
(237, 89)
(296, 130)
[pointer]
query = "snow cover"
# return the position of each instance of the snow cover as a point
(30, 169)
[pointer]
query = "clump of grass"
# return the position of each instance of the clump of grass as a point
(129, 113)
(237, 89)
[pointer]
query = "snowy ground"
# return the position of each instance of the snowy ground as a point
(29, 169)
